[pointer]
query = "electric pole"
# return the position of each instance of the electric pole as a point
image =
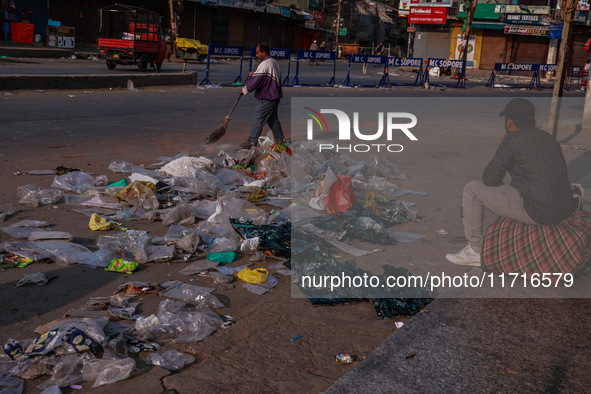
(569, 16)
(338, 27)
(469, 18)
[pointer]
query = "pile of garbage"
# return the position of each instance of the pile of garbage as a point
(270, 202)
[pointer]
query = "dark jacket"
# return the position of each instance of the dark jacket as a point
(538, 171)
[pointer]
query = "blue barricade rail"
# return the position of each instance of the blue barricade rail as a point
(404, 62)
(225, 51)
(574, 78)
(369, 59)
(304, 54)
(446, 63)
(276, 53)
(515, 67)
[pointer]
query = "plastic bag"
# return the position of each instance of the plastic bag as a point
(224, 258)
(141, 194)
(11, 385)
(206, 184)
(189, 242)
(101, 180)
(132, 244)
(258, 275)
(63, 252)
(121, 166)
(187, 166)
(180, 214)
(100, 258)
(236, 208)
(32, 196)
(273, 236)
(19, 232)
(6, 210)
(97, 223)
(171, 360)
(222, 245)
(203, 209)
(109, 371)
(76, 181)
(175, 321)
(229, 177)
(66, 372)
(340, 197)
(122, 265)
(250, 245)
(37, 278)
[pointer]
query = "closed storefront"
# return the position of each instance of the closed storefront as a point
(529, 49)
(432, 42)
(494, 49)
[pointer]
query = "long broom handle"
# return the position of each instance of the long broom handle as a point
(234, 107)
(238, 99)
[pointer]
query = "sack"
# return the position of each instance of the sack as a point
(258, 275)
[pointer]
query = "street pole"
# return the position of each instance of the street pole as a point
(172, 18)
(469, 19)
(338, 26)
(587, 107)
(569, 13)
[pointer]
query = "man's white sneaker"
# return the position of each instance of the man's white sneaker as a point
(466, 256)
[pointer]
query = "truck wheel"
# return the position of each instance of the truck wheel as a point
(111, 64)
(158, 66)
(143, 65)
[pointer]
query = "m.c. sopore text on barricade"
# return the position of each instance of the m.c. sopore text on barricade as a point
(441, 280)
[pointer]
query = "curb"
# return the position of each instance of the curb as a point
(15, 82)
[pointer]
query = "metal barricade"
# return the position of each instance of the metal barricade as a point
(225, 51)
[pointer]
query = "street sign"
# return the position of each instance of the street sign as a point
(410, 29)
(343, 31)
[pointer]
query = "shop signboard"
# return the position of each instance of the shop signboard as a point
(483, 11)
(525, 19)
(403, 8)
(526, 9)
(285, 12)
(427, 15)
(527, 30)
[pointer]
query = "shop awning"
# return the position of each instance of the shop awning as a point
(302, 14)
(488, 25)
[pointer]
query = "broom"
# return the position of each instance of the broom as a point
(221, 129)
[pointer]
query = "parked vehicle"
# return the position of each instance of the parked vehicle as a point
(130, 35)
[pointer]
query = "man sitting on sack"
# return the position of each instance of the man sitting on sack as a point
(539, 192)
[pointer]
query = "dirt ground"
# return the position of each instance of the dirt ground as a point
(257, 353)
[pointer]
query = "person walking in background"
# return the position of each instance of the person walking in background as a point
(7, 16)
(323, 46)
(314, 47)
(379, 49)
(265, 81)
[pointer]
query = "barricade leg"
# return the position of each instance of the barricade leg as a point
(286, 80)
(206, 80)
(296, 79)
(238, 80)
(419, 77)
(491, 80)
(334, 71)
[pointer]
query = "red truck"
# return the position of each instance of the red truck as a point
(130, 35)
